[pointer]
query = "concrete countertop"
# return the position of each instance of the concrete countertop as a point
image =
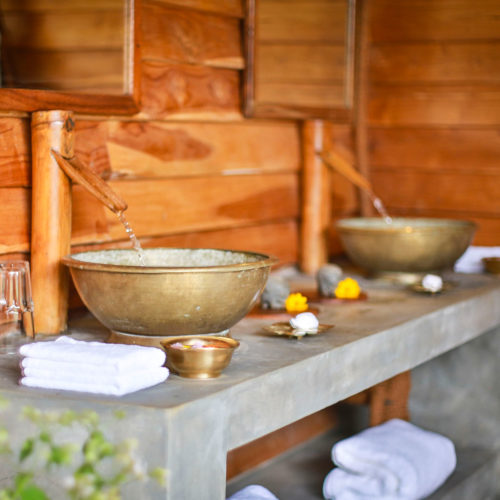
(273, 381)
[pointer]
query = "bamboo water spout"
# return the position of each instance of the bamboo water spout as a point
(81, 174)
(343, 167)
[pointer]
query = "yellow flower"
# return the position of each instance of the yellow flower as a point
(348, 289)
(296, 302)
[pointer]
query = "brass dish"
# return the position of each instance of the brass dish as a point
(181, 291)
(199, 362)
(419, 288)
(286, 329)
(492, 264)
(411, 245)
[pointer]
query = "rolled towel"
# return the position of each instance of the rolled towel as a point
(115, 385)
(117, 358)
(395, 460)
(471, 260)
(253, 492)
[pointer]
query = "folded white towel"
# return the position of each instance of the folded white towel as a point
(116, 385)
(253, 492)
(471, 260)
(80, 374)
(395, 460)
(117, 358)
(96, 367)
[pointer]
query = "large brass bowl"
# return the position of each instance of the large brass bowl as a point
(411, 245)
(180, 291)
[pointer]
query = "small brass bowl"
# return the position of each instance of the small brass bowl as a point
(492, 264)
(198, 361)
(408, 245)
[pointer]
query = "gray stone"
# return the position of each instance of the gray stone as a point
(275, 293)
(328, 277)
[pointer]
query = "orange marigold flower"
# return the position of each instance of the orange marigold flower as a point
(348, 289)
(296, 303)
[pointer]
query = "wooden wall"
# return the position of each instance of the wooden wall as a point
(192, 170)
(196, 173)
(70, 45)
(434, 109)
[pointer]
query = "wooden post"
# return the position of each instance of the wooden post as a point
(51, 219)
(315, 200)
(361, 92)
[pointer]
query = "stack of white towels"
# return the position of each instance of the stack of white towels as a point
(96, 367)
(393, 461)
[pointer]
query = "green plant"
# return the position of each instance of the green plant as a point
(94, 468)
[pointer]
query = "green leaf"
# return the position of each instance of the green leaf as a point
(159, 474)
(119, 414)
(26, 449)
(45, 437)
(4, 441)
(97, 447)
(84, 470)
(67, 417)
(6, 494)
(32, 414)
(61, 455)
(32, 492)
(23, 479)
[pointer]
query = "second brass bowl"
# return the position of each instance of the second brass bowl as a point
(411, 245)
(199, 362)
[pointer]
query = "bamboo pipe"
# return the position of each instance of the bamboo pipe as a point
(342, 166)
(82, 175)
(50, 219)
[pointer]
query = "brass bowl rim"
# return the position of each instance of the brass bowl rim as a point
(437, 224)
(232, 343)
(264, 261)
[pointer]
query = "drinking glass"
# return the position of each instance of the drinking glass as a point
(16, 306)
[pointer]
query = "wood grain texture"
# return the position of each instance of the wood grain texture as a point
(182, 35)
(15, 149)
(452, 150)
(443, 63)
(65, 29)
(233, 8)
(145, 150)
(169, 206)
(50, 219)
(465, 192)
(315, 199)
(436, 21)
(15, 229)
(93, 71)
(278, 238)
(441, 106)
(309, 21)
(245, 457)
(299, 58)
(186, 91)
(51, 5)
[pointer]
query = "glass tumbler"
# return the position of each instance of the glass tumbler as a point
(16, 306)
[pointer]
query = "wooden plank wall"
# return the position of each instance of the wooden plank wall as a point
(434, 109)
(192, 170)
(196, 173)
(71, 46)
